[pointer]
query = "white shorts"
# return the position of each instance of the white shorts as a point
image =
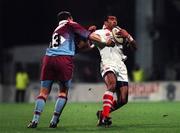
(119, 70)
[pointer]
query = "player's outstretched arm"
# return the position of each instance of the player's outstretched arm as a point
(85, 46)
(100, 41)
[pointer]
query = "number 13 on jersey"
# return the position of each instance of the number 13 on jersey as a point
(56, 40)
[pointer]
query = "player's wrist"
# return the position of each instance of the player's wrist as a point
(129, 37)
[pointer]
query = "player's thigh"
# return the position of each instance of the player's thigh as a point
(47, 71)
(110, 80)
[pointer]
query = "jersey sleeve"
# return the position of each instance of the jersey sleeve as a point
(78, 29)
(100, 33)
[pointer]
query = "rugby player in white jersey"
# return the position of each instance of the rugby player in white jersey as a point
(113, 70)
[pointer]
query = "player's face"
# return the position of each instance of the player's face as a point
(111, 22)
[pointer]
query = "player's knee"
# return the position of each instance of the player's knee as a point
(63, 92)
(110, 80)
(124, 101)
(44, 92)
(111, 87)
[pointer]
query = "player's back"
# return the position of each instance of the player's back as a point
(63, 42)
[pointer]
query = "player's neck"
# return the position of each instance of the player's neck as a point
(109, 29)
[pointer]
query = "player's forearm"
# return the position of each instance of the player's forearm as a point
(101, 41)
(96, 38)
(132, 42)
(85, 46)
(133, 45)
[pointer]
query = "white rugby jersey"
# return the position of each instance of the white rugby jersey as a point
(110, 55)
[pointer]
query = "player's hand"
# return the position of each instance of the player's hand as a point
(92, 28)
(122, 33)
(110, 42)
(125, 34)
(81, 44)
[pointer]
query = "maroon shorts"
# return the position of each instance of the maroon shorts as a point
(57, 68)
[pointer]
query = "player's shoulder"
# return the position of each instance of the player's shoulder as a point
(72, 23)
(60, 25)
(100, 31)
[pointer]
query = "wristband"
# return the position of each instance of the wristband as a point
(130, 39)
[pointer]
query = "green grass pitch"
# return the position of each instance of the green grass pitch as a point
(141, 117)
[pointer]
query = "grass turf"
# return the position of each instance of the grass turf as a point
(157, 117)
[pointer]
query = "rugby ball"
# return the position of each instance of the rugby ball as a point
(117, 38)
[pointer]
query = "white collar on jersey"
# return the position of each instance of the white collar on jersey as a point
(63, 21)
(104, 26)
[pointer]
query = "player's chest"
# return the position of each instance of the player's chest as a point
(107, 34)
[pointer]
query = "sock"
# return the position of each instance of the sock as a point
(107, 103)
(39, 105)
(59, 106)
(114, 106)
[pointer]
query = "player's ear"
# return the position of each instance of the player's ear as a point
(106, 23)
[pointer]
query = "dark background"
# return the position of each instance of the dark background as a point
(32, 22)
